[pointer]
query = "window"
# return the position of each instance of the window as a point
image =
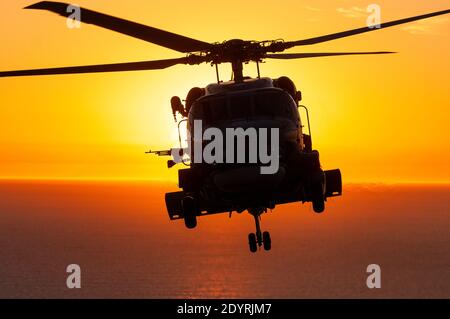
(273, 104)
(263, 103)
(240, 107)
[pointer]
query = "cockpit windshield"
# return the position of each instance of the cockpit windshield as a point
(270, 103)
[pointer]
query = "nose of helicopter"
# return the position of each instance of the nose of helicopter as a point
(247, 179)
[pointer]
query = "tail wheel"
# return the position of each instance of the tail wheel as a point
(189, 212)
(267, 241)
(252, 242)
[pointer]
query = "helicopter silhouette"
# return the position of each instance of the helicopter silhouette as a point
(248, 104)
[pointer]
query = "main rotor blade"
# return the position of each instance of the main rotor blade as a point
(349, 33)
(289, 56)
(160, 37)
(117, 67)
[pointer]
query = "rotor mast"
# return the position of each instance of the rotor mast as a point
(238, 71)
(237, 52)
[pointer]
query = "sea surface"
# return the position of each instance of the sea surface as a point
(120, 235)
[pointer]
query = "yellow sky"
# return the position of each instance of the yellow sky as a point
(378, 118)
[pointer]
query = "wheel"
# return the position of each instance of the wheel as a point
(252, 242)
(267, 242)
(189, 212)
(190, 221)
(318, 197)
(318, 205)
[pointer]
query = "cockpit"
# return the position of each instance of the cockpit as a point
(269, 103)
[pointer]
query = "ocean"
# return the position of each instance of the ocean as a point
(120, 235)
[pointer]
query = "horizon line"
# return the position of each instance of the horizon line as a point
(165, 180)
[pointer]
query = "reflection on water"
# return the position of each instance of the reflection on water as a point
(121, 237)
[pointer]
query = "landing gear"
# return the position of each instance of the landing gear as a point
(258, 239)
(267, 241)
(318, 195)
(190, 212)
(252, 243)
(318, 206)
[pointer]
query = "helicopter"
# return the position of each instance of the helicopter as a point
(257, 111)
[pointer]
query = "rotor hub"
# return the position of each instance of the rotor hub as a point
(243, 51)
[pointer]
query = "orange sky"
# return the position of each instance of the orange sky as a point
(378, 118)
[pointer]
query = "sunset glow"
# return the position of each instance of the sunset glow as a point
(378, 118)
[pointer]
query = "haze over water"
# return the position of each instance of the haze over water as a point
(121, 236)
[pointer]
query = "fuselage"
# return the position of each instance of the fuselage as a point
(253, 104)
(261, 112)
